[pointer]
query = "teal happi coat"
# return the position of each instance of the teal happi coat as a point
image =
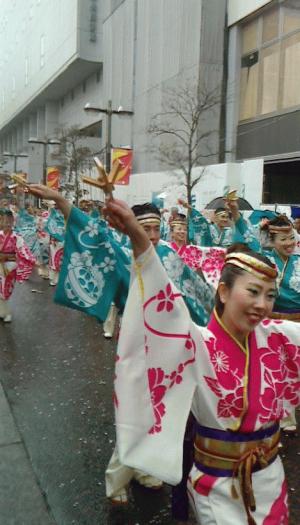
(203, 233)
(96, 271)
(26, 226)
(55, 225)
(288, 299)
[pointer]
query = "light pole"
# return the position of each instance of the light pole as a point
(45, 143)
(109, 112)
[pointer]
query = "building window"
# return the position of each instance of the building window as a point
(84, 86)
(98, 76)
(270, 62)
(42, 51)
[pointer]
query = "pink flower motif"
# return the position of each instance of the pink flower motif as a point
(176, 376)
(214, 260)
(232, 404)
(227, 373)
(281, 357)
(189, 343)
(292, 393)
(271, 403)
(156, 377)
(266, 322)
(166, 299)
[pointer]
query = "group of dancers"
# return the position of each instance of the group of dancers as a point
(29, 238)
(208, 356)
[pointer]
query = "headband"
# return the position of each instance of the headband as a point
(252, 265)
(148, 218)
(280, 229)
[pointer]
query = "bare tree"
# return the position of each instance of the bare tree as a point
(74, 156)
(187, 130)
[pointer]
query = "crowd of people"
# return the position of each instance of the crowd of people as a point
(208, 371)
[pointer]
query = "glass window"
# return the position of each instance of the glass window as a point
(248, 97)
(291, 18)
(291, 72)
(270, 25)
(270, 62)
(250, 36)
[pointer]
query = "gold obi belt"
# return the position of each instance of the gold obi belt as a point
(288, 316)
(225, 453)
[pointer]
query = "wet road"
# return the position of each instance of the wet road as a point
(57, 372)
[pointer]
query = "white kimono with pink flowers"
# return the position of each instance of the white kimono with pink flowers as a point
(209, 259)
(167, 366)
(18, 270)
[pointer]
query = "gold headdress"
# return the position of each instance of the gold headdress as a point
(252, 265)
(148, 218)
(180, 220)
(280, 229)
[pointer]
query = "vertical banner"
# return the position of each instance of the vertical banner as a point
(53, 178)
(124, 156)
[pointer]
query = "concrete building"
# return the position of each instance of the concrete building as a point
(263, 110)
(58, 55)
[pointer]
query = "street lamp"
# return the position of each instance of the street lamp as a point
(109, 112)
(15, 156)
(45, 143)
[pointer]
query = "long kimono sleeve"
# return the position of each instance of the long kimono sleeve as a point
(92, 272)
(156, 372)
(244, 232)
(25, 260)
(199, 230)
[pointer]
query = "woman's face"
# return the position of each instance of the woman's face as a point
(7, 223)
(246, 304)
(284, 243)
(179, 234)
(222, 219)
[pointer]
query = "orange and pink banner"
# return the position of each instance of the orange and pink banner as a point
(53, 178)
(124, 156)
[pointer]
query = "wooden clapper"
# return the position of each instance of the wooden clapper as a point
(104, 181)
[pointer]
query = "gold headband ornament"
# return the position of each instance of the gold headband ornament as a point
(280, 229)
(148, 218)
(178, 222)
(222, 213)
(104, 181)
(252, 265)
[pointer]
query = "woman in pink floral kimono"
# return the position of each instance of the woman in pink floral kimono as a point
(16, 262)
(240, 376)
(208, 261)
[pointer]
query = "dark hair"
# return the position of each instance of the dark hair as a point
(280, 220)
(218, 210)
(147, 207)
(230, 272)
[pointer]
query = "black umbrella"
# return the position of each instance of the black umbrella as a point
(219, 202)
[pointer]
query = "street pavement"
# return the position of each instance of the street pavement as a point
(57, 423)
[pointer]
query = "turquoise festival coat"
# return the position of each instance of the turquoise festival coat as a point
(203, 233)
(288, 299)
(96, 271)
